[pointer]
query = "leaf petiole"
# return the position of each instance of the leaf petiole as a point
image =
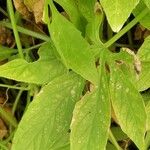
(114, 141)
(126, 28)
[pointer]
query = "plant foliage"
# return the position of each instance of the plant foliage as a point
(63, 114)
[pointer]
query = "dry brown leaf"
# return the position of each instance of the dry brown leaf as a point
(35, 6)
(22, 9)
(141, 33)
(6, 37)
(3, 129)
(5, 105)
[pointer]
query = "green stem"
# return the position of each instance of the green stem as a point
(126, 28)
(16, 101)
(114, 141)
(4, 12)
(28, 101)
(34, 47)
(14, 87)
(14, 26)
(8, 117)
(27, 31)
(9, 138)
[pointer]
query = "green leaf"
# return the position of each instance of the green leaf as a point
(72, 47)
(128, 107)
(144, 51)
(118, 133)
(91, 119)
(148, 116)
(45, 125)
(6, 52)
(147, 2)
(146, 96)
(110, 146)
(91, 10)
(39, 72)
(75, 16)
(143, 82)
(144, 55)
(145, 20)
(118, 11)
(147, 140)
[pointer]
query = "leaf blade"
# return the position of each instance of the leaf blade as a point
(128, 106)
(91, 119)
(72, 47)
(118, 11)
(47, 66)
(56, 102)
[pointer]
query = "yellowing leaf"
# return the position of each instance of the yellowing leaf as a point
(35, 6)
(128, 106)
(144, 55)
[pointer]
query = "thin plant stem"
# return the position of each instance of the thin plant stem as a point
(26, 31)
(14, 26)
(8, 117)
(10, 137)
(130, 38)
(4, 12)
(114, 141)
(14, 87)
(28, 100)
(34, 47)
(16, 101)
(126, 28)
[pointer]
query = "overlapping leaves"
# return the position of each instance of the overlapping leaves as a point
(72, 47)
(127, 103)
(118, 11)
(56, 101)
(91, 119)
(39, 72)
(46, 123)
(144, 55)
